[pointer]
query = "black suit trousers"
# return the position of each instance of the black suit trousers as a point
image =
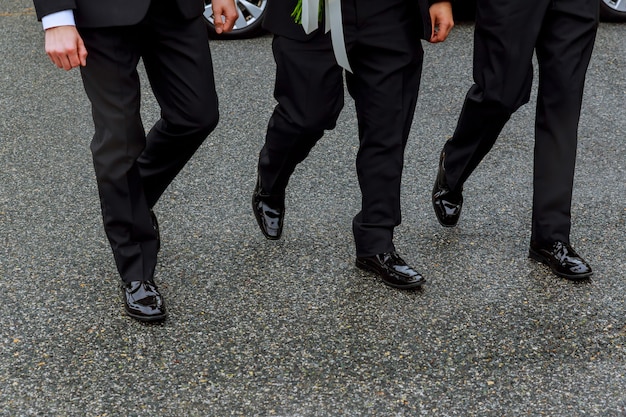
(508, 33)
(385, 53)
(133, 169)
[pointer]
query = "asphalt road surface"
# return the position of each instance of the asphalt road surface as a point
(292, 328)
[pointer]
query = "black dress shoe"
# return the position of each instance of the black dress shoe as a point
(269, 212)
(155, 225)
(447, 204)
(143, 301)
(392, 269)
(562, 260)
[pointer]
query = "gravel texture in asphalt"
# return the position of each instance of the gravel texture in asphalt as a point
(292, 327)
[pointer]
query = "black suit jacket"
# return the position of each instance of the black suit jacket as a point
(278, 19)
(107, 13)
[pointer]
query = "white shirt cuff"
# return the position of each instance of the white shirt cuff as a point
(62, 18)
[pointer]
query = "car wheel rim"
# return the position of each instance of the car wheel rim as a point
(617, 5)
(249, 12)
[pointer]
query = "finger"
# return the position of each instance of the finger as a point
(53, 59)
(57, 60)
(68, 62)
(220, 16)
(74, 60)
(434, 35)
(231, 18)
(63, 62)
(218, 22)
(444, 30)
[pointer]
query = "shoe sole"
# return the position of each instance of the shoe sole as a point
(366, 267)
(536, 256)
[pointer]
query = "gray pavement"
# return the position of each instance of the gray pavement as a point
(292, 328)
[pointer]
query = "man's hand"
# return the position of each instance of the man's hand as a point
(65, 47)
(442, 20)
(227, 10)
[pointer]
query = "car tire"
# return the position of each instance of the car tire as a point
(612, 11)
(248, 24)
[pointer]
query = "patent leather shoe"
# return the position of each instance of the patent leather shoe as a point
(447, 204)
(562, 260)
(269, 212)
(155, 225)
(392, 269)
(143, 301)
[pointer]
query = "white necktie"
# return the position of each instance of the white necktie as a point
(333, 23)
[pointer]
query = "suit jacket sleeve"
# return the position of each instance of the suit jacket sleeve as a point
(46, 7)
(109, 13)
